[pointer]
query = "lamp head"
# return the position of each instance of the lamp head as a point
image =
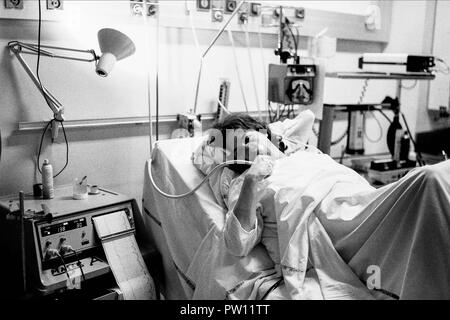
(114, 46)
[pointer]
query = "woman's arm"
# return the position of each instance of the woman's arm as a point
(244, 224)
(245, 209)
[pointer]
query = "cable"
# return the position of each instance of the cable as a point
(419, 155)
(67, 150)
(384, 115)
(157, 76)
(225, 164)
(79, 264)
(294, 38)
(184, 195)
(46, 100)
(360, 101)
(64, 264)
(272, 288)
(447, 68)
(42, 140)
(379, 126)
(230, 36)
(252, 72)
(40, 144)
(261, 50)
(409, 87)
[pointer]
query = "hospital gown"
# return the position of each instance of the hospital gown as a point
(240, 242)
(333, 216)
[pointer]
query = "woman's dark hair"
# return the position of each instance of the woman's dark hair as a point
(242, 121)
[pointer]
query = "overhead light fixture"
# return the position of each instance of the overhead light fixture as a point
(114, 46)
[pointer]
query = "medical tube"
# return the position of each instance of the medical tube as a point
(230, 35)
(197, 45)
(184, 195)
(147, 66)
(252, 71)
(261, 49)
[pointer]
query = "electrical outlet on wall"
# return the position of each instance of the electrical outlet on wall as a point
(54, 4)
(14, 4)
(243, 14)
(300, 13)
(230, 6)
(217, 10)
(137, 6)
(203, 5)
(255, 9)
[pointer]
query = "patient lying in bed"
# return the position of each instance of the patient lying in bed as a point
(318, 217)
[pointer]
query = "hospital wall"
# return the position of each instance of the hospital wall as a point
(114, 157)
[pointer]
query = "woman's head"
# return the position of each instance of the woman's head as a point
(234, 128)
(231, 134)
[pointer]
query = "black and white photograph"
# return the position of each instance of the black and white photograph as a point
(223, 159)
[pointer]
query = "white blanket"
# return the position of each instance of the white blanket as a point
(395, 238)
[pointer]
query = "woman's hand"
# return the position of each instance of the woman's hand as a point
(261, 168)
(258, 144)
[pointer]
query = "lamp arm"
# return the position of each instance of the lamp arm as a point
(19, 48)
(53, 103)
(34, 49)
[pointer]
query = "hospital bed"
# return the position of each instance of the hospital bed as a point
(186, 231)
(183, 229)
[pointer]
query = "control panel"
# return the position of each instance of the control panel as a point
(75, 233)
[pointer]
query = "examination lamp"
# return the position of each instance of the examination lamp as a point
(114, 46)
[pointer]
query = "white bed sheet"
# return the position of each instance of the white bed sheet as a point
(180, 225)
(186, 231)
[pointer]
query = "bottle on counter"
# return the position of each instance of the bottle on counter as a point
(47, 180)
(405, 146)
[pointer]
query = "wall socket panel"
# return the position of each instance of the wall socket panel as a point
(14, 4)
(217, 10)
(55, 4)
(255, 9)
(230, 6)
(203, 5)
(136, 7)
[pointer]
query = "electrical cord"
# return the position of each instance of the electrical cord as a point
(42, 140)
(184, 195)
(241, 86)
(419, 154)
(252, 71)
(64, 264)
(79, 263)
(384, 115)
(157, 76)
(447, 68)
(411, 86)
(0, 145)
(46, 100)
(295, 40)
(261, 50)
(379, 126)
(360, 101)
(303, 146)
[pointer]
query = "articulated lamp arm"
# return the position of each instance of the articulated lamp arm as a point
(114, 46)
(19, 48)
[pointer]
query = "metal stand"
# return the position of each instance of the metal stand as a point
(326, 124)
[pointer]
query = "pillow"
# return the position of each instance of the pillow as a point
(294, 132)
